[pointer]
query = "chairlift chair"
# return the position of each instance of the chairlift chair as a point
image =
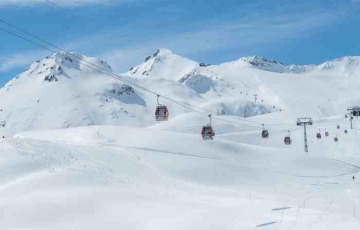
(207, 131)
(161, 112)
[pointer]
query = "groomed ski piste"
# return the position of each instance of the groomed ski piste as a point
(84, 152)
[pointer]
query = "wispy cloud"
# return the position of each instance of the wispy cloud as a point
(124, 49)
(249, 32)
(61, 3)
(21, 60)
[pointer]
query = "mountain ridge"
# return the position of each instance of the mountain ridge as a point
(61, 92)
(255, 61)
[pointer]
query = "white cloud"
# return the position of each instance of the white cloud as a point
(269, 31)
(126, 50)
(122, 59)
(19, 60)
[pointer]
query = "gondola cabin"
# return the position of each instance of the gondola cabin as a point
(336, 139)
(318, 135)
(356, 112)
(161, 113)
(345, 131)
(207, 132)
(326, 134)
(265, 134)
(287, 140)
(338, 126)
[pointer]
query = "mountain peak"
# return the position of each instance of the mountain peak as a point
(73, 60)
(269, 65)
(260, 63)
(59, 66)
(164, 63)
(258, 60)
(52, 67)
(162, 52)
(347, 64)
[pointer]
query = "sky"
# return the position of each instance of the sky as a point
(124, 32)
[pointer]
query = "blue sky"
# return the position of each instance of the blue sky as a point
(124, 32)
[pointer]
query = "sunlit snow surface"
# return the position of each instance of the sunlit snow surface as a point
(84, 151)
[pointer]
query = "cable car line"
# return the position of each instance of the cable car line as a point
(116, 75)
(95, 67)
(206, 133)
(52, 3)
(113, 75)
(121, 78)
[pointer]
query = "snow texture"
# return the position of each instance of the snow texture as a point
(82, 150)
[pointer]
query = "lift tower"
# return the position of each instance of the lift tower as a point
(255, 97)
(354, 112)
(304, 121)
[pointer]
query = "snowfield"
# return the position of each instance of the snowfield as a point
(81, 150)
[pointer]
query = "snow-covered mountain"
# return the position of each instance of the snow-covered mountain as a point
(294, 88)
(61, 92)
(87, 154)
(269, 65)
(345, 65)
(164, 64)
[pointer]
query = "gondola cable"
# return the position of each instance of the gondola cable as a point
(111, 74)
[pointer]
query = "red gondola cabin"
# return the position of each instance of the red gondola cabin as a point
(161, 113)
(207, 132)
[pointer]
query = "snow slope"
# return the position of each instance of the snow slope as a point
(134, 178)
(82, 149)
